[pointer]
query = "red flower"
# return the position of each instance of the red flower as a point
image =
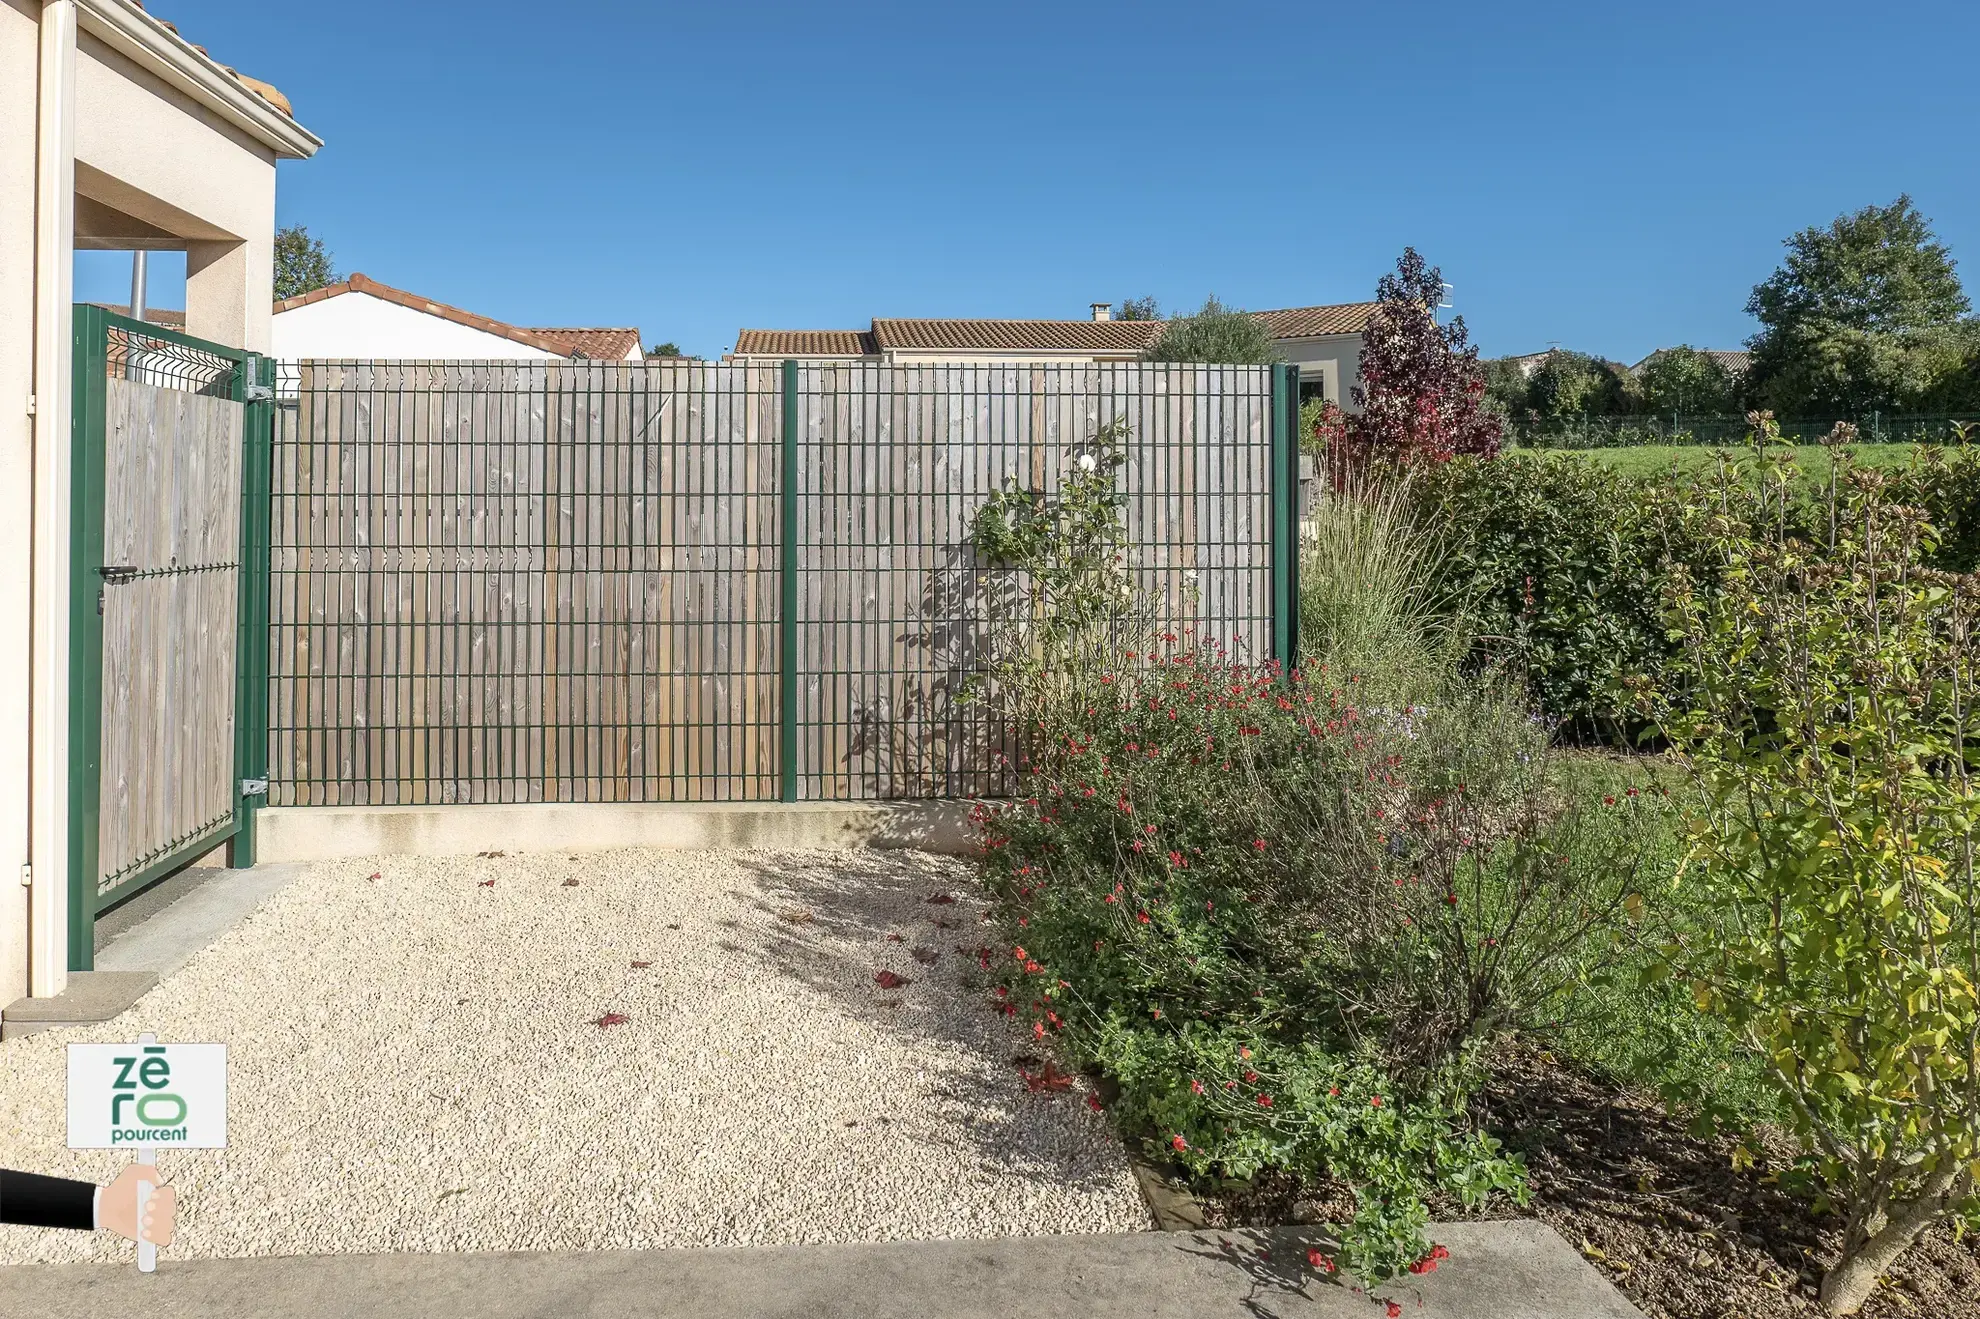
(1244, 1051)
(1376, 1102)
(1258, 843)
(1032, 968)
(1141, 916)
(1264, 1101)
(1093, 1101)
(1038, 1029)
(1395, 1310)
(1196, 1087)
(1319, 1261)
(1608, 801)
(1178, 1143)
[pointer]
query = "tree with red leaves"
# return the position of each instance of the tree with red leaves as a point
(1421, 386)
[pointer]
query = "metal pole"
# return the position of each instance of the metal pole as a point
(787, 620)
(137, 284)
(1285, 516)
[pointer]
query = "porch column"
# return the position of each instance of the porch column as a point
(45, 659)
(230, 292)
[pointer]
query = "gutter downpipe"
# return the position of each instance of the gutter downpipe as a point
(48, 658)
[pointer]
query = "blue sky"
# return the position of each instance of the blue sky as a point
(1608, 177)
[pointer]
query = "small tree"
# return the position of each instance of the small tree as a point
(1682, 381)
(1140, 309)
(302, 262)
(668, 349)
(1215, 333)
(1832, 718)
(1570, 384)
(1422, 390)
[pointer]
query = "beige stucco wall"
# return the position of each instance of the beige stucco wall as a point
(1334, 359)
(190, 173)
(19, 39)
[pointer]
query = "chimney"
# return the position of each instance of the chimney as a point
(1103, 311)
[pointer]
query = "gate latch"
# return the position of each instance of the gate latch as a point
(260, 394)
(254, 787)
(119, 574)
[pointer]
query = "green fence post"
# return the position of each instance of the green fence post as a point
(787, 620)
(257, 393)
(86, 477)
(1285, 516)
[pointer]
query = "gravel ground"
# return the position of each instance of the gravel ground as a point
(416, 1064)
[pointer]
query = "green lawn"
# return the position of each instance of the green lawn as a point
(1654, 459)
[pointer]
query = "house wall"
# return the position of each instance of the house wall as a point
(19, 45)
(357, 325)
(189, 173)
(1333, 359)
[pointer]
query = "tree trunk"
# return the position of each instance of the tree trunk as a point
(1848, 1284)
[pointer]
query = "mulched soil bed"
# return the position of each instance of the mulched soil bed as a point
(1663, 1214)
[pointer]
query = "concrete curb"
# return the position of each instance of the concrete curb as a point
(1517, 1269)
(91, 996)
(321, 833)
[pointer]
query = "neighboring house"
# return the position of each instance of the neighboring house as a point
(116, 134)
(359, 318)
(1734, 361)
(1324, 342)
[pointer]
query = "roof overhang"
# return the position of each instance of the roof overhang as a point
(130, 32)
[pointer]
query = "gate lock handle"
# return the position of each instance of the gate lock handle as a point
(118, 574)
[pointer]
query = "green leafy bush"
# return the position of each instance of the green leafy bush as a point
(1829, 705)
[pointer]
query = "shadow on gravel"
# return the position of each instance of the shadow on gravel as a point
(823, 920)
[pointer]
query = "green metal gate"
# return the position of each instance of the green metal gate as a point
(168, 611)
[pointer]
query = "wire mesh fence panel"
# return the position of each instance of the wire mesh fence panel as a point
(524, 581)
(171, 500)
(894, 461)
(562, 581)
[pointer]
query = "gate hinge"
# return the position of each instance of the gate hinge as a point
(254, 787)
(31, 402)
(261, 393)
(27, 876)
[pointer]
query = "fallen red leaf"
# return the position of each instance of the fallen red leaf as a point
(641, 966)
(896, 938)
(888, 980)
(612, 1019)
(941, 899)
(570, 883)
(376, 874)
(486, 883)
(1049, 1079)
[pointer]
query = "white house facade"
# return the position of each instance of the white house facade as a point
(362, 319)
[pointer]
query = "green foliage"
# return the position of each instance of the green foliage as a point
(1571, 384)
(1554, 563)
(302, 263)
(1863, 315)
(668, 349)
(1264, 907)
(1140, 309)
(1369, 578)
(1683, 381)
(1829, 707)
(1060, 600)
(1215, 333)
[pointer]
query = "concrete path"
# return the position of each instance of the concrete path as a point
(1509, 1270)
(164, 939)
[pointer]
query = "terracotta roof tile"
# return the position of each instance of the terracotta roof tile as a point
(805, 343)
(1016, 336)
(1298, 322)
(603, 344)
(607, 345)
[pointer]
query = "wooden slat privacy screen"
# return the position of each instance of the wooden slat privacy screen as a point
(562, 581)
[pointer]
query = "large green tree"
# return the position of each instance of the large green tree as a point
(302, 262)
(1215, 333)
(1863, 315)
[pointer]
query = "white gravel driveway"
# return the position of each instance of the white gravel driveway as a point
(415, 1065)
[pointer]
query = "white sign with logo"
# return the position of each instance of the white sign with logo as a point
(147, 1096)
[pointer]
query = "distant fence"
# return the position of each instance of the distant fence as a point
(1631, 432)
(569, 581)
